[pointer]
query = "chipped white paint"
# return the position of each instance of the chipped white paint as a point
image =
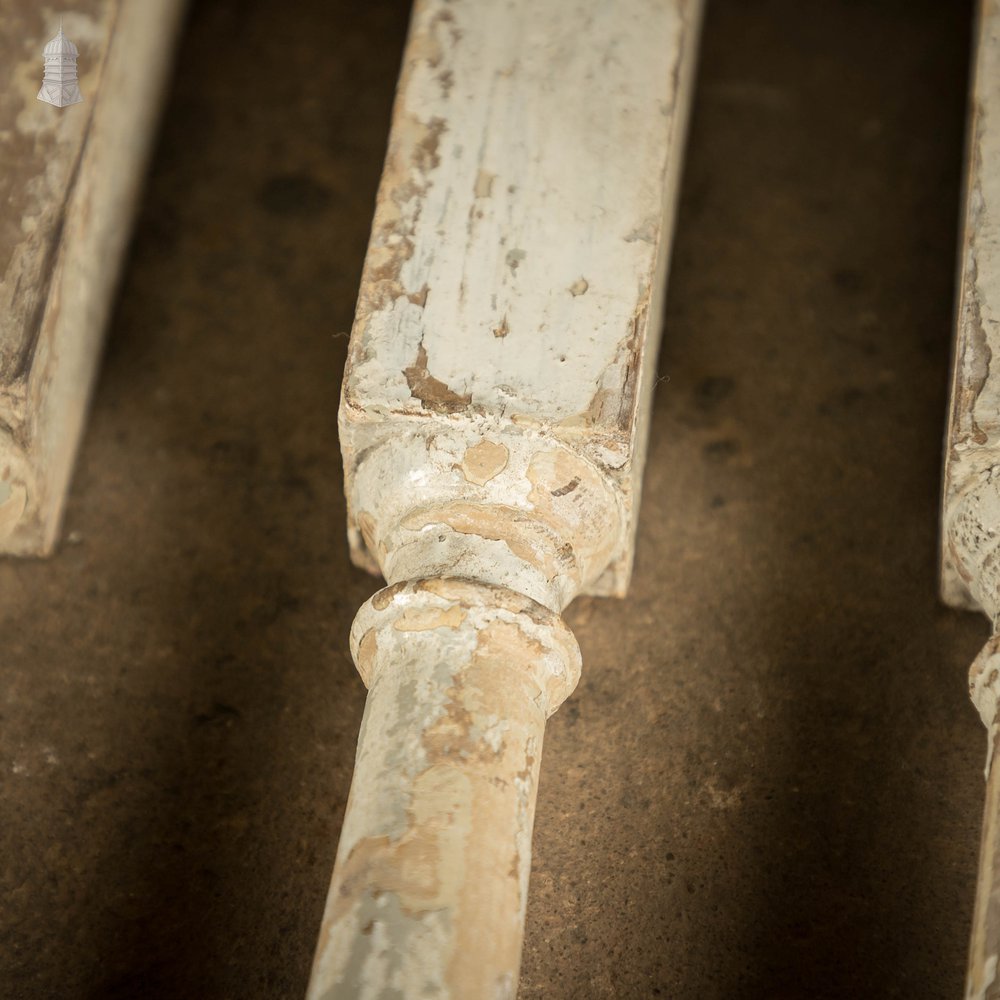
(970, 563)
(430, 888)
(973, 438)
(518, 255)
(546, 523)
(493, 423)
(559, 200)
(68, 199)
(973, 540)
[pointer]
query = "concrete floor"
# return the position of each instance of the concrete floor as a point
(769, 781)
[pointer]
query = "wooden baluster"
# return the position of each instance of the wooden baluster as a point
(971, 499)
(493, 424)
(68, 188)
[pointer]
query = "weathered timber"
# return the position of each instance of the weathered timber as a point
(69, 177)
(970, 563)
(493, 423)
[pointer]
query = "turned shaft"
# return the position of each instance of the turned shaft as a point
(429, 890)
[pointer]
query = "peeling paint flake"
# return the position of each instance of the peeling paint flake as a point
(432, 393)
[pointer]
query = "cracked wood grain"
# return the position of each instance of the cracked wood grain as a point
(493, 424)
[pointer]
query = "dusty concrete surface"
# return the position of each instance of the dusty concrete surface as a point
(769, 781)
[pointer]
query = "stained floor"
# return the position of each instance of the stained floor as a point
(769, 782)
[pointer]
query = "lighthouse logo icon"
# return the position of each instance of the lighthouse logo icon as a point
(60, 85)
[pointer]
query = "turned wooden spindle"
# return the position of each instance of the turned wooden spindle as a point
(970, 565)
(429, 890)
(493, 423)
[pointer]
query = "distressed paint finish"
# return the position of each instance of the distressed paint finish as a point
(972, 444)
(493, 424)
(517, 263)
(40, 150)
(973, 535)
(546, 523)
(430, 887)
(68, 182)
(970, 560)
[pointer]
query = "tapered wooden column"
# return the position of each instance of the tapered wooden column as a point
(971, 498)
(493, 424)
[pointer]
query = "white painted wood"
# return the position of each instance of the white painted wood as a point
(521, 237)
(493, 423)
(431, 882)
(972, 445)
(69, 178)
(970, 559)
